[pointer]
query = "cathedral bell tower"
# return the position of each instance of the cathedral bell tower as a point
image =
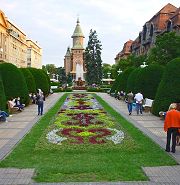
(77, 53)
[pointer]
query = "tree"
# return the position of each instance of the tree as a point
(62, 75)
(169, 87)
(14, 82)
(50, 68)
(40, 80)
(166, 48)
(148, 80)
(31, 85)
(105, 69)
(2, 96)
(93, 62)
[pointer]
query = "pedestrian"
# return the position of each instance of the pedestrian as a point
(171, 126)
(139, 101)
(40, 102)
(130, 100)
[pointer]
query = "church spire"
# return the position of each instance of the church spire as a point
(78, 32)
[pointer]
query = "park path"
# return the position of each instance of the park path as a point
(20, 124)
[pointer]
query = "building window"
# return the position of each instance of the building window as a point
(169, 26)
(144, 32)
(151, 30)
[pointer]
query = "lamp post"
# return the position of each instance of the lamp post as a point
(143, 65)
(109, 77)
(57, 76)
(53, 75)
(119, 71)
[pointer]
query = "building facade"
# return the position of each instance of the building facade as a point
(126, 51)
(166, 20)
(15, 48)
(74, 58)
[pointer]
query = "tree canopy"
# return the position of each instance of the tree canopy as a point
(166, 48)
(93, 60)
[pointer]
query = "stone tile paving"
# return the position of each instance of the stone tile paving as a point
(157, 175)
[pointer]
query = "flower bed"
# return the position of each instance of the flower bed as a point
(82, 120)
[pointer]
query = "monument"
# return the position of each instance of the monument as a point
(74, 58)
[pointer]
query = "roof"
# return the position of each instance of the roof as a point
(78, 32)
(68, 52)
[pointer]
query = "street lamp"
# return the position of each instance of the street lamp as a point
(53, 75)
(57, 76)
(108, 75)
(119, 71)
(144, 65)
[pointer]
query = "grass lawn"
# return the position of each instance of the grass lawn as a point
(85, 162)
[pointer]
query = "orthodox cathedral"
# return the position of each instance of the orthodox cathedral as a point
(74, 58)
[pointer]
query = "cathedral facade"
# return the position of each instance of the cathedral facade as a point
(74, 58)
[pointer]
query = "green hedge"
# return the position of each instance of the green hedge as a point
(31, 85)
(132, 80)
(122, 86)
(2, 96)
(169, 87)
(14, 82)
(62, 90)
(40, 80)
(94, 89)
(148, 80)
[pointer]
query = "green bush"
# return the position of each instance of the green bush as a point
(122, 83)
(169, 87)
(14, 82)
(148, 80)
(48, 79)
(31, 85)
(2, 96)
(62, 90)
(55, 84)
(132, 80)
(40, 80)
(94, 89)
(116, 83)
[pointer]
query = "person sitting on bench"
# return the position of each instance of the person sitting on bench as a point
(19, 104)
(3, 115)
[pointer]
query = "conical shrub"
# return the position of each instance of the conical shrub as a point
(169, 87)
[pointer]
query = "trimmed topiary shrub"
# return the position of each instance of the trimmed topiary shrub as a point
(169, 87)
(31, 85)
(2, 96)
(14, 82)
(116, 84)
(148, 80)
(132, 81)
(122, 83)
(40, 80)
(48, 79)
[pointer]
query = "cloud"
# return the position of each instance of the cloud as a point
(52, 22)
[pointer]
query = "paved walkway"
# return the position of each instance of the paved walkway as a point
(20, 124)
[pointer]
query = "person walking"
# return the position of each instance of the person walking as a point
(40, 102)
(130, 100)
(139, 101)
(171, 126)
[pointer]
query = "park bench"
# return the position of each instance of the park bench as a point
(12, 109)
(147, 105)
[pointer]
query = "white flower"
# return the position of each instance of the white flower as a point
(116, 138)
(54, 138)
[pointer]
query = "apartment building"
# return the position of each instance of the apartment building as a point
(166, 20)
(15, 48)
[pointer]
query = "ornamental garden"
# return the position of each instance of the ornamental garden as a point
(82, 139)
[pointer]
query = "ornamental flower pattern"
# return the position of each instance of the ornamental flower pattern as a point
(82, 120)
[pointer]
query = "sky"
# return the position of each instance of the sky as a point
(52, 22)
